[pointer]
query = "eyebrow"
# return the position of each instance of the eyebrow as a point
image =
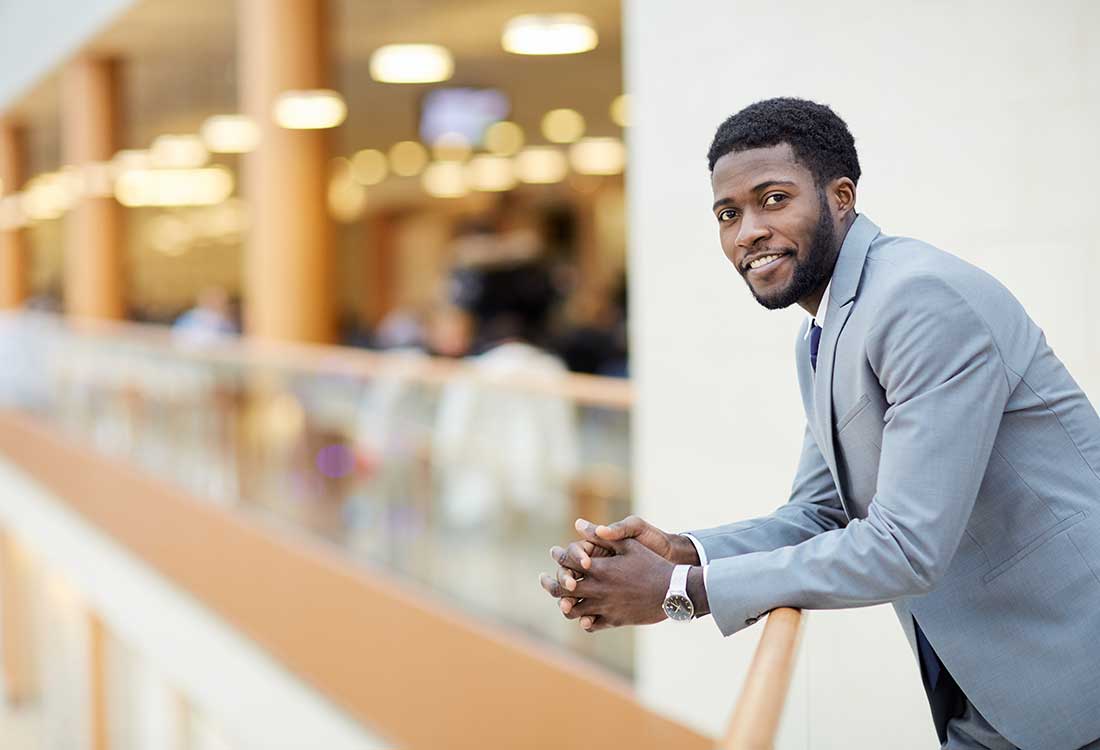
(756, 189)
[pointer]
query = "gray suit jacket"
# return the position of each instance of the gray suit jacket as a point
(951, 467)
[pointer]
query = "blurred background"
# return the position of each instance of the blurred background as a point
(323, 319)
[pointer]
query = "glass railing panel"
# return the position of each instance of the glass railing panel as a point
(452, 479)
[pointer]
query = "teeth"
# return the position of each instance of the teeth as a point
(763, 261)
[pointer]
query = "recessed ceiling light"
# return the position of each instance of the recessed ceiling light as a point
(310, 109)
(541, 165)
(562, 125)
(230, 134)
(411, 63)
(549, 34)
(598, 156)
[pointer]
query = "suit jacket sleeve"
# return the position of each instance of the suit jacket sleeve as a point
(813, 507)
(946, 388)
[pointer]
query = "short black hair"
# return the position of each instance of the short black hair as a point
(818, 137)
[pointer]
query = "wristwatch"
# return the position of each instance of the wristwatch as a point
(677, 604)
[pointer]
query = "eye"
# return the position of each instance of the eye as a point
(727, 214)
(782, 198)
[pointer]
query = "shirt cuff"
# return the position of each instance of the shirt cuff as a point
(702, 557)
(699, 549)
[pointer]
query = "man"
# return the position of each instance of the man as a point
(950, 464)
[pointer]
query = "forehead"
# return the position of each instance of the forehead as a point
(738, 172)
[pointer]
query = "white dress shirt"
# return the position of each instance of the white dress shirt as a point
(822, 308)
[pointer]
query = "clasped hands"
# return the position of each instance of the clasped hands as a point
(617, 574)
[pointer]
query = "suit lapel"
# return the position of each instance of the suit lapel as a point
(842, 293)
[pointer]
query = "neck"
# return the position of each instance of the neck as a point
(812, 301)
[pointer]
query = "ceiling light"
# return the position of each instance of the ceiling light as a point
(368, 167)
(131, 158)
(230, 134)
(491, 173)
(451, 147)
(562, 125)
(445, 179)
(178, 152)
(312, 109)
(411, 63)
(598, 156)
(407, 158)
(549, 34)
(541, 165)
(45, 197)
(620, 110)
(174, 187)
(504, 138)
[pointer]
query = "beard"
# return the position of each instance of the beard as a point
(811, 273)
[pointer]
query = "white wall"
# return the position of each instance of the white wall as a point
(976, 126)
(35, 37)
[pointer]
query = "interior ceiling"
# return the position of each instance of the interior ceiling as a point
(179, 67)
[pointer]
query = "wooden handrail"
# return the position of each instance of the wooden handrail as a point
(318, 359)
(755, 719)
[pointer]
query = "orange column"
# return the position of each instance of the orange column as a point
(98, 737)
(289, 258)
(94, 243)
(14, 264)
(16, 639)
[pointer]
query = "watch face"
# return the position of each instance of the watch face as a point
(678, 608)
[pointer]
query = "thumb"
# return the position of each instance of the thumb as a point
(628, 528)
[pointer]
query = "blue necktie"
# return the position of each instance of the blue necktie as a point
(815, 341)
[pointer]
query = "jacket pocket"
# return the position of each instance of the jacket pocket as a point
(852, 413)
(1035, 544)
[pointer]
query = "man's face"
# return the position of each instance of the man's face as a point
(775, 225)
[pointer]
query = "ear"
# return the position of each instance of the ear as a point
(842, 195)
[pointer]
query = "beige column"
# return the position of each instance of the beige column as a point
(289, 258)
(98, 736)
(94, 278)
(16, 638)
(14, 263)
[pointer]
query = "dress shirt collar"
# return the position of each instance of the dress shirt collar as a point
(822, 308)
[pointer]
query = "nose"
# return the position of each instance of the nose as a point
(750, 231)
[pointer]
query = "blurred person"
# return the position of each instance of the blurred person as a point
(593, 335)
(210, 320)
(449, 332)
(401, 328)
(950, 464)
(499, 448)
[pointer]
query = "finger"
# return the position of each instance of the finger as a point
(597, 547)
(566, 579)
(629, 527)
(572, 557)
(577, 608)
(552, 587)
(594, 623)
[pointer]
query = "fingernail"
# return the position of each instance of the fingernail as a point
(586, 623)
(570, 584)
(566, 606)
(586, 563)
(580, 524)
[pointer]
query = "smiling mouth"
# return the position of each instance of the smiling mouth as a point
(765, 262)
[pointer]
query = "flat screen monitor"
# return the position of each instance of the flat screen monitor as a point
(464, 110)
